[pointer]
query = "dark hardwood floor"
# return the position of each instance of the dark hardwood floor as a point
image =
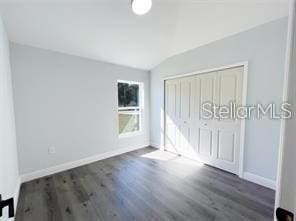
(146, 184)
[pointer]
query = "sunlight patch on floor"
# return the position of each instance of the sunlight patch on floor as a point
(160, 155)
(168, 156)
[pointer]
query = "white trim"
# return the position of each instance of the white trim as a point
(156, 145)
(243, 121)
(246, 175)
(129, 108)
(287, 74)
(129, 82)
(130, 134)
(140, 107)
(245, 65)
(70, 165)
(260, 180)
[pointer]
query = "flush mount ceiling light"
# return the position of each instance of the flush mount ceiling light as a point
(141, 7)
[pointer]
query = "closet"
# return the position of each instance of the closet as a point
(212, 141)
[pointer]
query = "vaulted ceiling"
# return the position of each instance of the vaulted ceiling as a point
(108, 30)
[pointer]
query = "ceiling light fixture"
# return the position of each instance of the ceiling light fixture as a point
(141, 7)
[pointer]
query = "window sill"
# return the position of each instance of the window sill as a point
(132, 134)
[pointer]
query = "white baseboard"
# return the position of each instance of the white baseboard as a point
(259, 180)
(70, 165)
(246, 175)
(66, 166)
(156, 145)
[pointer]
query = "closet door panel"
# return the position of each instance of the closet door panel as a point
(205, 93)
(171, 114)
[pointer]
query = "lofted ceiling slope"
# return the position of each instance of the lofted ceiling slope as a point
(108, 30)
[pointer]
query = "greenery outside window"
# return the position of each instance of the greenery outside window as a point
(129, 107)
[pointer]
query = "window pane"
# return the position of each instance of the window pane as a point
(121, 94)
(128, 95)
(129, 121)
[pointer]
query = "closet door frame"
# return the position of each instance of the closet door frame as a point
(243, 64)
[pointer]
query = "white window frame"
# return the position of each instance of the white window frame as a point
(140, 107)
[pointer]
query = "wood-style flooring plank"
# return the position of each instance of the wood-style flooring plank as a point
(145, 184)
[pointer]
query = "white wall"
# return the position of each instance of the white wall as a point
(264, 48)
(9, 177)
(70, 103)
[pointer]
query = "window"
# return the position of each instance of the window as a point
(129, 107)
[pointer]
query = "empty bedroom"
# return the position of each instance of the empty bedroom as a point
(147, 110)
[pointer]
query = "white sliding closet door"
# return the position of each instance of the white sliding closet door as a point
(229, 89)
(186, 116)
(171, 114)
(179, 115)
(205, 129)
(212, 141)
